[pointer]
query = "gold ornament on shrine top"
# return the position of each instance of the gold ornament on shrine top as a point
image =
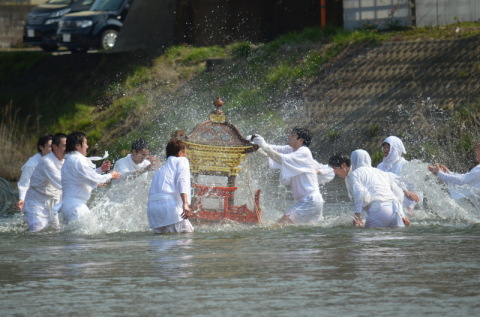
(218, 116)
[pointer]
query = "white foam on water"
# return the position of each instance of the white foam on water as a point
(122, 207)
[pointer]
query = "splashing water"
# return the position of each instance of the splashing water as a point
(438, 207)
(122, 207)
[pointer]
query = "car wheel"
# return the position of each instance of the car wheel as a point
(108, 39)
(49, 48)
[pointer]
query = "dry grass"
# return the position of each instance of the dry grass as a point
(16, 143)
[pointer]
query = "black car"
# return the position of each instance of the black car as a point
(96, 28)
(42, 21)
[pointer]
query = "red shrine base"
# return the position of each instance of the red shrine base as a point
(224, 196)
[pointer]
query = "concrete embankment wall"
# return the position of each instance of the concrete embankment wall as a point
(397, 88)
(13, 14)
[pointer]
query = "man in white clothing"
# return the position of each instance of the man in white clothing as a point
(169, 197)
(45, 188)
(393, 162)
(137, 162)
(461, 185)
(372, 190)
(79, 178)
(301, 172)
(44, 146)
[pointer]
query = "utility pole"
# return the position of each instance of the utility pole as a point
(323, 13)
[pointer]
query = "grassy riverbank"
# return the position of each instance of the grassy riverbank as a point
(117, 97)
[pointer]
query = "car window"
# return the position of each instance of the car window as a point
(107, 5)
(81, 5)
(64, 2)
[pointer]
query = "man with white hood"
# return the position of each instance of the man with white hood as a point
(45, 188)
(301, 172)
(373, 191)
(44, 146)
(394, 162)
(79, 178)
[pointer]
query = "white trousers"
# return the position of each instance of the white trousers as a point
(384, 214)
(184, 226)
(73, 210)
(164, 211)
(38, 211)
(309, 209)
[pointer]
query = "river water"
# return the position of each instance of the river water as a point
(113, 265)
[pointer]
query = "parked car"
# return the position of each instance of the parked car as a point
(96, 28)
(42, 22)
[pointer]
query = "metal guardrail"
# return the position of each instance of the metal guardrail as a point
(8, 198)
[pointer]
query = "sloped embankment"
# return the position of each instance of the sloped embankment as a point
(398, 88)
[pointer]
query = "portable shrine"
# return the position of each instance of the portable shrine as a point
(216, 148)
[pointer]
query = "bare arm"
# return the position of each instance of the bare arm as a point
(186, 209)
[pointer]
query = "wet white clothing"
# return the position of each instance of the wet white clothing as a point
(75, 209)
(27, 171)
(324, 173)
(79, 178)
(165, 204)
(43, 194)
(463, 185)
(183, 226)
(38, 212)
(127, 167)
(298, 170)
(375, 191)
(395, 168)
(308, 209)
(46, 179)
(384, 214)
(394, 163)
